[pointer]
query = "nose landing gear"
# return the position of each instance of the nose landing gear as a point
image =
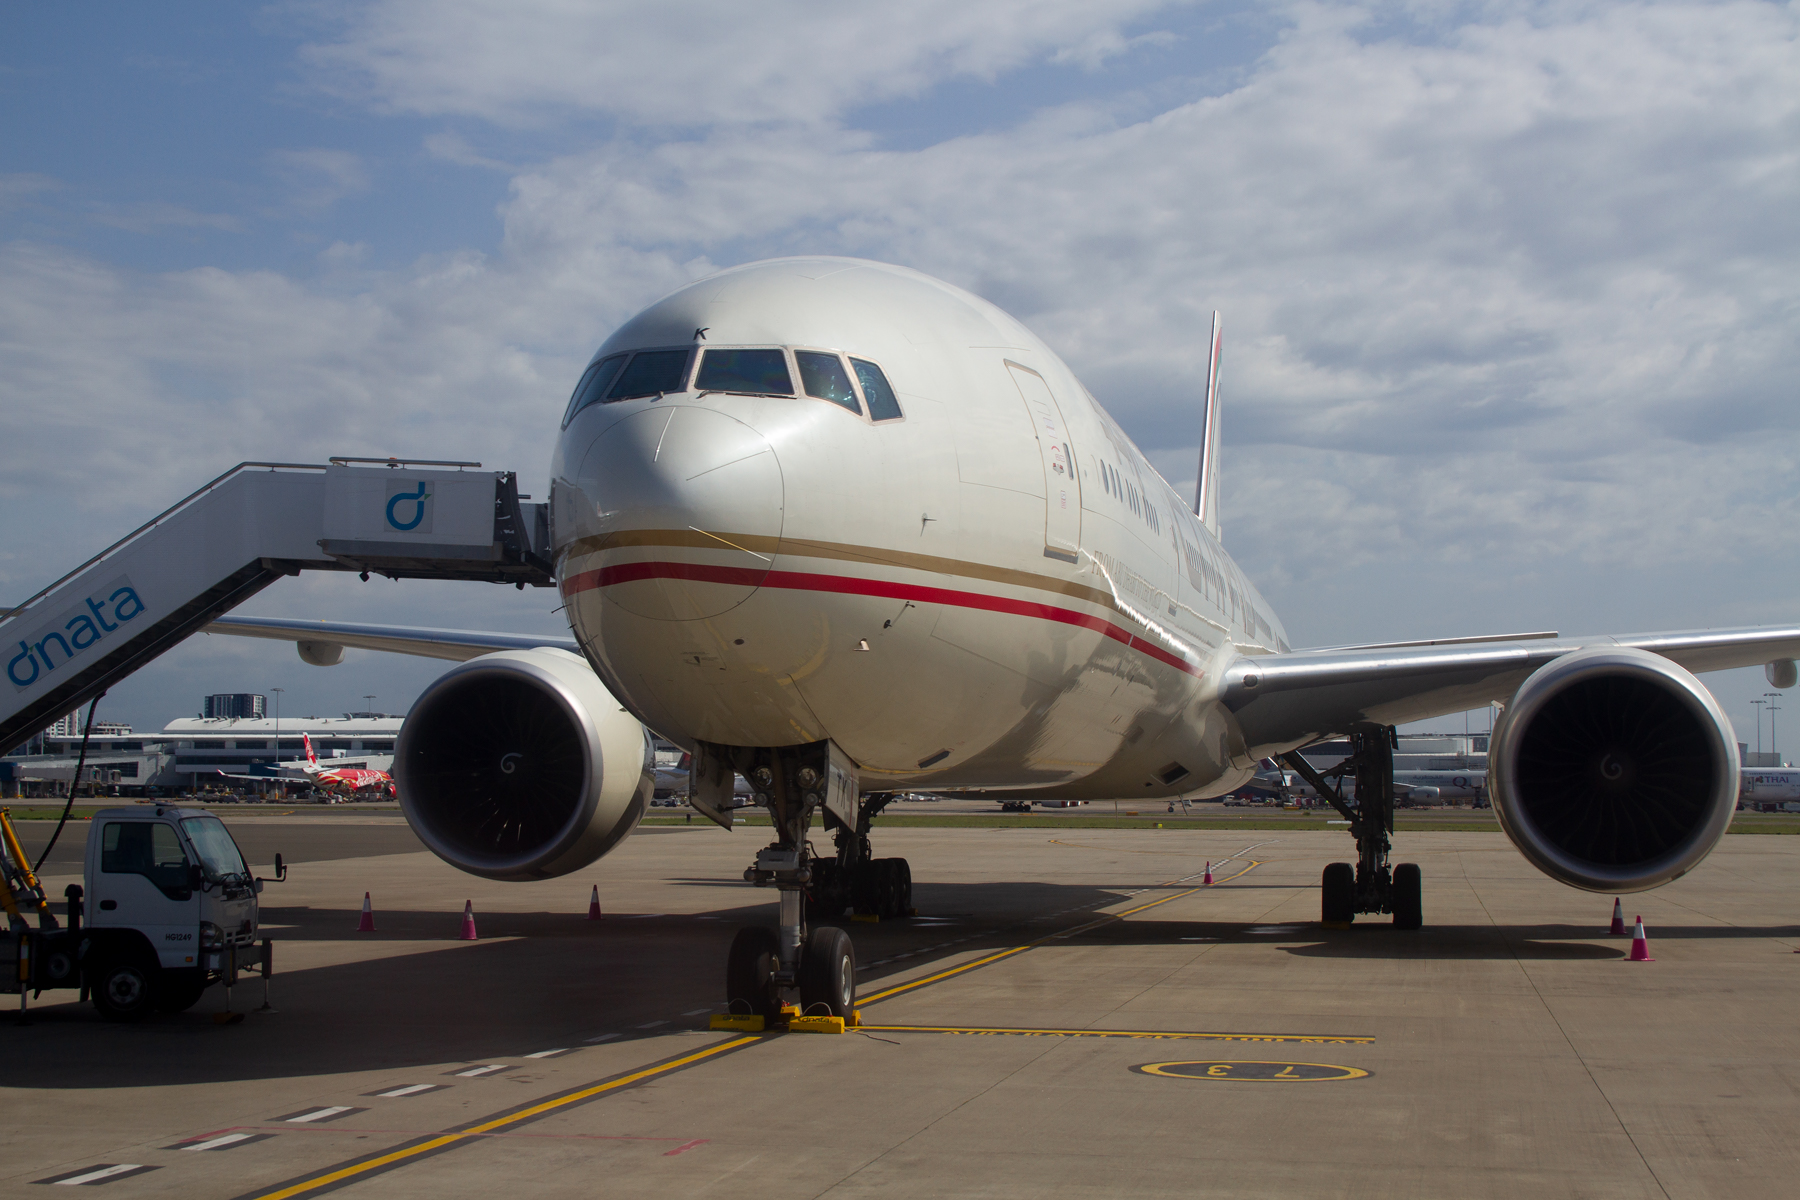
(1371, 886)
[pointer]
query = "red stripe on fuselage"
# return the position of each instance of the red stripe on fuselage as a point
(852, 585)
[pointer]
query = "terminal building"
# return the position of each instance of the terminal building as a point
(194, 753)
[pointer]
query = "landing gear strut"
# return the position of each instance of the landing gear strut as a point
(1371, 886)
(794, 783)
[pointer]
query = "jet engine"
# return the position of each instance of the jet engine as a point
(521, 765)
(1613, 769)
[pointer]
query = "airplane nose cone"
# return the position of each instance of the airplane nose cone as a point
(682, 512)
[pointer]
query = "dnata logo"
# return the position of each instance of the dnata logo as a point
(55, 643)
(408, 506)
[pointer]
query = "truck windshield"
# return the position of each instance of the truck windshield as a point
(218, 853)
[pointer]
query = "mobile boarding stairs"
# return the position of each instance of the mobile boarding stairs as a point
(406, 519)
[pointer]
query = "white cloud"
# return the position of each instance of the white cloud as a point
(315, 179)
(686, 62)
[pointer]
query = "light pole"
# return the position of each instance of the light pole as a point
(278, 692)
(1758, 705)
(371, 706)
(1773, 709)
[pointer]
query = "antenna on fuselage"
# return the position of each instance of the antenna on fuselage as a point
(1206, 485)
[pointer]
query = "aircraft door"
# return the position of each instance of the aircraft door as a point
(1062, 490)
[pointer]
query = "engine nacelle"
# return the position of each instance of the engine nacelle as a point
(1613, 770)
(521, 765)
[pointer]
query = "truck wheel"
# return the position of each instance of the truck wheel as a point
(125, 990)
(180, 990)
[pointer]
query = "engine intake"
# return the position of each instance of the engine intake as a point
(1613, 770)
(521, 765)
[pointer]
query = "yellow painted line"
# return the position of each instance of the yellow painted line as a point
(919, 983)
(336, 1176)
(888, 993)
(1320, 1039)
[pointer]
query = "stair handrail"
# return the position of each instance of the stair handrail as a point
(20, 609)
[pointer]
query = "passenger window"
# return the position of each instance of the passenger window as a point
(651, 373)
(824, 378)
(762, 372)
(150, 849)
(882, 404)
(593, 385)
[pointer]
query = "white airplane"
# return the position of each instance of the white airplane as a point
(850, 531)
(1769, 787)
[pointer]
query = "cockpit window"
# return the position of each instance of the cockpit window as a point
(823, 376)
(883, 406)
(593, 385)
(763, 372)
(651, 373)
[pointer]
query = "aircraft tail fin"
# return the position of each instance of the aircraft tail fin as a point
(1206, 485)
(306, 740)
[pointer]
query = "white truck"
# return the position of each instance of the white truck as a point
(169, 908)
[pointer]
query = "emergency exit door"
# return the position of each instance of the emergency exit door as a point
(1062, 491)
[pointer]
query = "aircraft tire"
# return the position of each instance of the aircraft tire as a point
(750, 968)
(1409, 903)
(1337, 894)
(827, 974)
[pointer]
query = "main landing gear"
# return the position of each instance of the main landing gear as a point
(794, 783)
(1370, 886)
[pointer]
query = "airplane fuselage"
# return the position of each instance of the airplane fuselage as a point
(991, 589)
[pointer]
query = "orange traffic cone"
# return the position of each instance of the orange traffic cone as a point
(1640, 946)
(367, 923)
(1618, 925)
(594, 904)
(1207, 882)
(468, 929)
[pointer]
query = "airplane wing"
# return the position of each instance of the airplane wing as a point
(456, 645)
(1283, 701)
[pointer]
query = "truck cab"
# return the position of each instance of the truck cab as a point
(170, 908)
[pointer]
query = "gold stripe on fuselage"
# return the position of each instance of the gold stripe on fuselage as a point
(839, 552)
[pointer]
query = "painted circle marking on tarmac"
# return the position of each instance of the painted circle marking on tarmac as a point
(1252, 1072)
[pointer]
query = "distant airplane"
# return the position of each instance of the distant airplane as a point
(342, 781)
(1769, 787)
(871, 535)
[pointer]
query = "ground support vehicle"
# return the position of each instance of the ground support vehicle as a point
(169, 908)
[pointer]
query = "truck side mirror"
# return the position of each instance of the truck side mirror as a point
(280, 870)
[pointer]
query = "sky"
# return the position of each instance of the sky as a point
(1511, 291)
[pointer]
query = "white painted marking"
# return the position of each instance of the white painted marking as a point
(411, 1089)
(549, 1053)
(472, 1072)
(103, 1173)
(604, 1037)
(652, 1024)
(218, 1143)
(318, 1114)
(696, 1012)
(1273, 929)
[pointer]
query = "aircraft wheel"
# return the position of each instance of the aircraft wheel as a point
(827, 974)
(1337, 894)
(1409, 903)
(750, 972)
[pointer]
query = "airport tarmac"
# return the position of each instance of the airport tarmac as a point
(1017, 1039)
